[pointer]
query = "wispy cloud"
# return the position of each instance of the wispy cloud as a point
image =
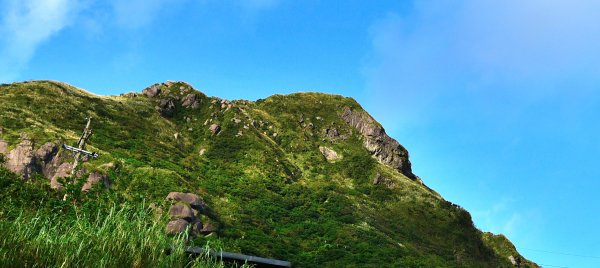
(26, 24)
(133, 14)
(441, 53)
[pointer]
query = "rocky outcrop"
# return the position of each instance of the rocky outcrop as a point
(387, 150)
(192, 200)
(22, 160)
(185, 212)
(329, 153)
(214, 129)
(152, 91)
(3, 147)
(93, 178)
(166, 107)
(64, 170)
(191, 101)
(381, 180)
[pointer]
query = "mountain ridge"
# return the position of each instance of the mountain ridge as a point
(359, 193)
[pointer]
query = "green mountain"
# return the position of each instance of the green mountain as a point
(308, 177)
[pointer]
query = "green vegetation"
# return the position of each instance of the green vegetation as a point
(267, 185)
(83, 231)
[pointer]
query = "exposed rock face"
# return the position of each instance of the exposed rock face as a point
(387, 150)
(3, 147)
(47, 152)
(166, 107)
(64, 170)
(22, 160)
(152, 91)
(191, 101)
(176, 226)
(94, 178)
(329, 153)
(215, 129)
(381, 180)
(332, 133)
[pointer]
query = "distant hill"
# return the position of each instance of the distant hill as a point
(307, 177)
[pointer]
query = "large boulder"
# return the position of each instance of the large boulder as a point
(64, 170)
(93, 178)
(166, 107)
(192, 200)
(387, 150)
(47, 152)
(176, 226)
(191, 101)
(214, 129)
(22, 160)
(381, 180)
(181, 211)
(152, 91)
(329, 153)
(3, 147)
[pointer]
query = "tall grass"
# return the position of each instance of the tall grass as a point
(119, 236)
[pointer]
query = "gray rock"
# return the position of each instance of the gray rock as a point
(64, 170)
(329, 153)
(47, 152)
(381, 180)
(176, 227)
(181, 211)
(152, 91)
(208, 228)
(166, 107)
(191, 101)
(93, 178)
(22, 160)
(193, 200)
(332, 133)
(3, 147)
(215, 129)
(197, 227)
(387, 150)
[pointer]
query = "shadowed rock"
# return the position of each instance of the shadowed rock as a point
(381, 180)
(196, 227)
(166, 107)
(191, 101)
(193, 200)
(215, 129)
(94, 178)
(47, 152)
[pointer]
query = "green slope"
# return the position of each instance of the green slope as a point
(270, 189)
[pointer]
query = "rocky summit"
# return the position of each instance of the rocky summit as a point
(308, 177)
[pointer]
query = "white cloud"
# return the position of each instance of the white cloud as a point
(133, 14)
(441, 54)
(25, 25)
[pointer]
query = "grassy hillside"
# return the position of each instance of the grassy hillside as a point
(269, 188)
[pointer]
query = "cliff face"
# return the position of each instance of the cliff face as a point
(387, 150)
(308, 177)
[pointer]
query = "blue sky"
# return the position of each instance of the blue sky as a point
(497, 101)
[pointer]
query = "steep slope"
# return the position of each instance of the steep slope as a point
(307, 177)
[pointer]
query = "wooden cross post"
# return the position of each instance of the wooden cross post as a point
(87, 132)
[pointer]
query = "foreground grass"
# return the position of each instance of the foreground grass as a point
(126, 236)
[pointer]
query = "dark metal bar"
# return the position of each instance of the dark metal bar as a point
(236, 257)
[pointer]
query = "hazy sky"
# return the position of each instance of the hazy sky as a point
(497, 101)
